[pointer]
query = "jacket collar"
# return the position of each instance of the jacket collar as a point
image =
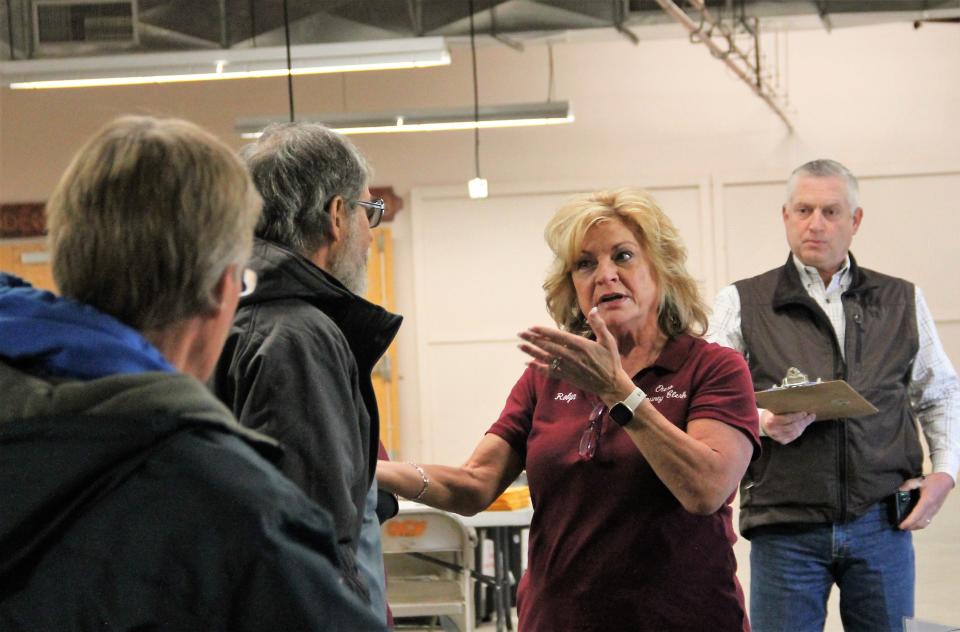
(284, 274)
(790, 290)
(179, 397)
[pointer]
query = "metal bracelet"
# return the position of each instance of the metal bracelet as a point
(424, 478)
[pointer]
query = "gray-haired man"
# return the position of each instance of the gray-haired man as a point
(814, 506)
(297, 362)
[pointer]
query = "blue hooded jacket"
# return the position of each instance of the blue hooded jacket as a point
(64, 338)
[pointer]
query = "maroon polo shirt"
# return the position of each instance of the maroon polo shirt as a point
(610, 547)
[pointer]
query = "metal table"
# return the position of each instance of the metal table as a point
(501, 525)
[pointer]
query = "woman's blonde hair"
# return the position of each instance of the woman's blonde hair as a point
(146, 219)
(681, 309)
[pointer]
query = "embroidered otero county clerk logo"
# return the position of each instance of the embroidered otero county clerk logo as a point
(660, 392)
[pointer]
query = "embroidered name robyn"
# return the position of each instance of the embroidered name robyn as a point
(565, 397)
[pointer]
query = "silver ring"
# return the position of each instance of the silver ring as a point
(929, 520)
(555, 365)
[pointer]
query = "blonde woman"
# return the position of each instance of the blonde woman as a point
(634, 433)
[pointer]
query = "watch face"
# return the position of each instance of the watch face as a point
(621, 414)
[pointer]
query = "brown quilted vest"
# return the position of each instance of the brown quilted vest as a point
(836, 469)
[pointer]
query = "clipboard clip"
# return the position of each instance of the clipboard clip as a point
(795, 377)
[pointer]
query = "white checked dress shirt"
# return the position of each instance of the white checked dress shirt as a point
(934, 388)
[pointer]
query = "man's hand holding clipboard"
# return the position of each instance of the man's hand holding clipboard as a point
(797, 402)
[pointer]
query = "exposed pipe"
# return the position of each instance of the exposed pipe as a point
(503, 39)
(476, 92)
(253, 23)
(550, 71)
(619, 17)
(415, 13)
(824, 15)
(756, 51)
(13, 52)
(756, 85)
(286, 33)
(224, 25)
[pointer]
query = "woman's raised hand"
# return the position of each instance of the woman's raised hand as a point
(593, 366)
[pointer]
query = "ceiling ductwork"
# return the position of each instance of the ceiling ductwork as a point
(70, 43)
(36, 29)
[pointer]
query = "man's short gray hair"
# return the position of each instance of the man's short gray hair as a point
(826, 168)
(298, 169)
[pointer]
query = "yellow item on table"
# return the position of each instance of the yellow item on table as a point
(513, 498)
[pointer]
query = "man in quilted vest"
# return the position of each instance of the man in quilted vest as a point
(817, 505)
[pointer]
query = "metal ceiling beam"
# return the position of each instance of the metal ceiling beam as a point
(744, 69)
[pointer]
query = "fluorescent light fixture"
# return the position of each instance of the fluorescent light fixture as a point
(477, 188)
(427, 119)
(212, 65)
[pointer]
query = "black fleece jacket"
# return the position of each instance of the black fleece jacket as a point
(296, 367)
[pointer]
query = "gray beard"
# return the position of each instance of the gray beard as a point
(351, 267)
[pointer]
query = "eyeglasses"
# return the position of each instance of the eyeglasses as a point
(591, 436)
(374, 209)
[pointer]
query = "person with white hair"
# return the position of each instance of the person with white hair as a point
(818, 506)
(297, 363)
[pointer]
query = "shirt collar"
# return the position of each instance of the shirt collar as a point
(674, 352)
(841, 278)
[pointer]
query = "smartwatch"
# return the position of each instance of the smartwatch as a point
(622, 412)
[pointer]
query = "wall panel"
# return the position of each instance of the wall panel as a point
(479, 267)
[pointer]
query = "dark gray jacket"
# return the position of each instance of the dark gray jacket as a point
(135, 502)
(296, 367)
(836, 469)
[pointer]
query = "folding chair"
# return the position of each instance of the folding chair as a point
(429, 559)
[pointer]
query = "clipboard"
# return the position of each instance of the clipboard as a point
(827, 400)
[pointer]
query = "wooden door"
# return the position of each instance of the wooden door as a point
(29, 260)
(380, 291)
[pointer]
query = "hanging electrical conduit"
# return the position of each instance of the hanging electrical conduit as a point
(733, 56)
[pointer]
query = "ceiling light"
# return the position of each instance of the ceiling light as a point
(146, 68)
(477, 188)
(426, 119)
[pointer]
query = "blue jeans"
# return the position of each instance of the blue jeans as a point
(370, 555)
(792, 570)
